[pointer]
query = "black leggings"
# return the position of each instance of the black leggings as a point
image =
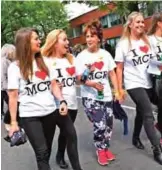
(40, 131)
(7, 117)
(144, 115)
(62, 142)
(4, 98)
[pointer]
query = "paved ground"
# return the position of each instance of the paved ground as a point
(128, 157)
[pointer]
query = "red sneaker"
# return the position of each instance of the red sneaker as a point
(102, 159)
(110, 156)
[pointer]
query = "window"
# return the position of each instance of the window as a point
(104, 21)
(70, 33)
(77, 31)
(114, 19)
(113, 41)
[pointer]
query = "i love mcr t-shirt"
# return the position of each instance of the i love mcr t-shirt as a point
(103, 63)
(156, 43)
(136, 57)
(35, 95)
(64, 72)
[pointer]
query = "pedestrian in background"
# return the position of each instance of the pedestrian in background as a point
(7, 56)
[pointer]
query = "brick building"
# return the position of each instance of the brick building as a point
(112, 27)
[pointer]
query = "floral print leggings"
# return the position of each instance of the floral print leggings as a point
(101, 115)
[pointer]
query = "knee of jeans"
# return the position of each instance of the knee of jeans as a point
(42, 154)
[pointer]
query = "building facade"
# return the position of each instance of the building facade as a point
(112, 25)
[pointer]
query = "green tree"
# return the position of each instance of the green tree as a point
(123, 8)
(43, 15)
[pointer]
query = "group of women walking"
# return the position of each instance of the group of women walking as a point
(43, 82)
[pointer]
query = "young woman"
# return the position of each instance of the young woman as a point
(29, 84)
(133, 54)
(95, 91)
(155, 36)
(7, 56)
(62, 67)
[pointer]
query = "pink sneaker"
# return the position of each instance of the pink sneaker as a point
(102, 159)
(161, 141)
(110, 156)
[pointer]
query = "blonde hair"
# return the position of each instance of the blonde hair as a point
(127, 31)
(49, 47)
(157, 17)
(8, 51)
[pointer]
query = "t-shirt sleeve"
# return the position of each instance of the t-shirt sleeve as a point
(13, 76)
(119, 54)
(111, 63)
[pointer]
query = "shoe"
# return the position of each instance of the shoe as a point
(102, 159)
(62, 164)
(157, 151)
(161, 141)
(110, 156)
(137, 143)
(61, 161)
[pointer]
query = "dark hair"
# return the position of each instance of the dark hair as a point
(95, 27)
(157, 17)
(24, 53)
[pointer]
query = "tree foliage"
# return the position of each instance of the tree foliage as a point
(44, 15)
(123, 8)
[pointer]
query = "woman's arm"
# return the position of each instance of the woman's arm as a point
(13, 100)
(119, 74)
(57, 92)
(90, 83)
(114, 81)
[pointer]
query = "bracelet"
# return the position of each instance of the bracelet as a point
(14, 123)
(63, 101)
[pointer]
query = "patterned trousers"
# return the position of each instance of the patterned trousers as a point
(101, 115)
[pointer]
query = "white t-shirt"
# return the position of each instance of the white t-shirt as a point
(156, 43)
(136, 59)
(64, 72)
(35, 95)
(103, 63)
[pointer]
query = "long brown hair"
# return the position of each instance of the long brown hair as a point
(157, 17)
(127, 31)
(24, 53)
(49, 47)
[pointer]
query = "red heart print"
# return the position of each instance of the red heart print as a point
(71, 70)
(144, 49)
(40, 74)
(99, 65)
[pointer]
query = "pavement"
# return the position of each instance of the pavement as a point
(128, 157)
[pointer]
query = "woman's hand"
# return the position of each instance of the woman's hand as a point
(98, 86)
(60, 85)
(63, 109)
(122, 94)
(13, 128)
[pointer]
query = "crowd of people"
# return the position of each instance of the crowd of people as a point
(39, 86)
